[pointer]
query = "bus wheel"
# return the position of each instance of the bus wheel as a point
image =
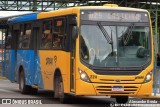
(121, 99)
(23, 88)
(59, 90)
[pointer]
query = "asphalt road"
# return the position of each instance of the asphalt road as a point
(11, 91)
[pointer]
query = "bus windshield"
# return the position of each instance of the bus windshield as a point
(115, 45)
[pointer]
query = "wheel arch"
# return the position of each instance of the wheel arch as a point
(57, 72)
(20, 69)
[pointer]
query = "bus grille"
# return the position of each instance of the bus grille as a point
(113, 80)
(128, 90)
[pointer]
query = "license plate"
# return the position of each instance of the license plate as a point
(117, 89)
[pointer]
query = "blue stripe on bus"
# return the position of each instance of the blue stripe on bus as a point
(23, 18)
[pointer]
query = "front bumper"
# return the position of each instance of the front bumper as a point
(101, 89)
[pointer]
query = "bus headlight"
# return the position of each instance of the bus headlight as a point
(83, 76)
(148, 77)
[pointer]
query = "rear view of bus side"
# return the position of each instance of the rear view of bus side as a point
(100, 51)
(20, 58)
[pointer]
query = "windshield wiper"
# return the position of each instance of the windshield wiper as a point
(129, 32)
(108, 38)
(106, 35)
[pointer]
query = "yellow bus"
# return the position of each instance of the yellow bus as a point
(90, 51)
(110, 52)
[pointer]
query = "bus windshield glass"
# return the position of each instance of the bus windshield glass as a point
(116, 44)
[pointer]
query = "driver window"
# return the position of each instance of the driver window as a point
(84, 49)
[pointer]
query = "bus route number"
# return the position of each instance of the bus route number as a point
(93, 76)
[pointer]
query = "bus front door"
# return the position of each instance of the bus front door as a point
(72, 65)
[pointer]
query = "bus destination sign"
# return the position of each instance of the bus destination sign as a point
(118, 16)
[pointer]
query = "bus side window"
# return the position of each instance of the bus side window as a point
(26, 36)
(46, 39)
(56, 41)
(9, 38)
(20, 38)
(59, 36)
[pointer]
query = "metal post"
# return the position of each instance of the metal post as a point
(1, 54)
(34, 5)
(2, 47)
(54, 5)
(155, 79)
(156, 51)
(17, 5)
(41, 5)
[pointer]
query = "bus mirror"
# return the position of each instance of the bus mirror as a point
(74, 32)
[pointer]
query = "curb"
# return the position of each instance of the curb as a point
(2, 78)
(151, 97)
(154, 97)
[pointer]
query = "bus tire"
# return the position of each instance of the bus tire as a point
(24, 89)
(121, 99)
(59, 90)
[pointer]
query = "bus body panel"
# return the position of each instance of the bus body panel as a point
(146, 89)
(25, 58)
(31, 66)
(52, 60)
(75, 10)
(112, 78)
(38, 74)
(102, 84)
(9, 67)
(54, 13)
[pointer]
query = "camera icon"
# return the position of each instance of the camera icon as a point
(6, 101)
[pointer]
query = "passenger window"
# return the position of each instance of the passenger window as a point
(26, 37)
(46, 39)
(20, 38)
(59, 36)
(9, 38)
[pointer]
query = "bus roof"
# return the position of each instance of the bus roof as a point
(24, 18)
(74, 10)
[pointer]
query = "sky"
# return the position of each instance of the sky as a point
(12, 13)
